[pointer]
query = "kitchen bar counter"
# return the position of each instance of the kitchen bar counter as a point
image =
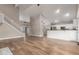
(69, 35)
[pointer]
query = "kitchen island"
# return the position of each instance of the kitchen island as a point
(68, 35)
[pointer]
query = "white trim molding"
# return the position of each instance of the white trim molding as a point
(11, 37)
(36, 35)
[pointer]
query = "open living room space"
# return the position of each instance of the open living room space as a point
(39, 29)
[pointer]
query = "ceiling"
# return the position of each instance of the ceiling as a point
(60, 12)
(24, 6)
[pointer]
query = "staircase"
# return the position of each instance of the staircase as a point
(8, 28)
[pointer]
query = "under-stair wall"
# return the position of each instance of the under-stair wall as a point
(8, 29)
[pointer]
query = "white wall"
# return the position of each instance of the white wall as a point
(10, 11)
(78, 29)
(9, 32)
(35, 25)
(78, 23)
(1, 18)
(39, 25)
(24, 18)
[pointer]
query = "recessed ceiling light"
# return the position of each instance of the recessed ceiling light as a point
(67, 14)
(58, 11)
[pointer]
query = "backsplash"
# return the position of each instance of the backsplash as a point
(63, 27)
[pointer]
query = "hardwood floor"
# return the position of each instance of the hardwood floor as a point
(40, 46)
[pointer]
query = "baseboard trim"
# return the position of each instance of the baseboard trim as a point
(11, 37)
(36, 35)
(12, 27)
